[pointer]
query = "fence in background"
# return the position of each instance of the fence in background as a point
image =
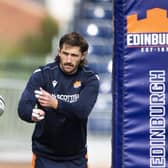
(11, 127)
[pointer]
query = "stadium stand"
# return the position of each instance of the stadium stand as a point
(93, 20)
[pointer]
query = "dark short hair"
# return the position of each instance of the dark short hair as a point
(74, 39)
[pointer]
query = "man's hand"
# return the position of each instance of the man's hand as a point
(37, 115)
(46, 99)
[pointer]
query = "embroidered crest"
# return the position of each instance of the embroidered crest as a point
(77, 84)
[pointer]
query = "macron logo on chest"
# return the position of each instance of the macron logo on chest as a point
(54, 83)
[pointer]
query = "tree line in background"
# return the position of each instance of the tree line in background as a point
(40, 44)
(31, 50)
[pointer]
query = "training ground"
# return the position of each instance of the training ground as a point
(99, 152)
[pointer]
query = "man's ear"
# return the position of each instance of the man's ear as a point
(84, 55)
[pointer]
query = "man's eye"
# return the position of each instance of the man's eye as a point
(74, 55)
(65, 53)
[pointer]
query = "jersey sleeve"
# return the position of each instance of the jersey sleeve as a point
(28, 101)
(87, 98)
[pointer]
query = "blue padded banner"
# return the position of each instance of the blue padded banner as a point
(140, 90)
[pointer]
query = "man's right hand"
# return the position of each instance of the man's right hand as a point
(38, 115)
(46, 99)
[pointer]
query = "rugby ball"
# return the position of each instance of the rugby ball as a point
(2, 105)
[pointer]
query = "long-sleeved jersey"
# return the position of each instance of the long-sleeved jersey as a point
(62, 134)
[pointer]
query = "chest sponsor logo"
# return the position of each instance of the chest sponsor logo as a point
(68, 98)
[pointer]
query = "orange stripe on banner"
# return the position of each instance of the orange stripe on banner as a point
(33, 160)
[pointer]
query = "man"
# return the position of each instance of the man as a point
(59, 98)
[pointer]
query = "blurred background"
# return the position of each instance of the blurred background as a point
(29, 35)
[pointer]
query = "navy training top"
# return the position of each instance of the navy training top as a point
(62, 134)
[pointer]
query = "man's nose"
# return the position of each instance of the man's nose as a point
(69, 58)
